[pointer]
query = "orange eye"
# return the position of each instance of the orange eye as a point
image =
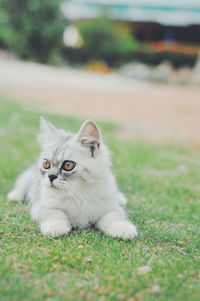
(69, 165)
(46, 164)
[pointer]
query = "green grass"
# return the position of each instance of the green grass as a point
(162, 184)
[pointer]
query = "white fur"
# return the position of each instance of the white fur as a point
(88, 196)
(15, 195)
(54, 227)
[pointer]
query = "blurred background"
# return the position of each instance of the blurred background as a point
(133, 62)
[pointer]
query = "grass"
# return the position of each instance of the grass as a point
(162, 184)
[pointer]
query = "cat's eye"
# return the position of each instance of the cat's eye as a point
(68, 165)
(46, 164)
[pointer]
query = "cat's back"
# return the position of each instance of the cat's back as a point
(30, 181)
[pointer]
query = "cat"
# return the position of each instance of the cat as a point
(71, 184)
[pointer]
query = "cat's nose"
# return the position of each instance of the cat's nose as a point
(52, 178)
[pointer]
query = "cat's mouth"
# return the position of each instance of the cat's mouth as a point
(56, 185)
(52, 185)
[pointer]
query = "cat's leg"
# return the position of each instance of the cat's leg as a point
(52, 222)
(22, 185)
(122, 199)
(15, 195)
(116, 224)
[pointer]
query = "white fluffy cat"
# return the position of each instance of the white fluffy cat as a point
(71, 185)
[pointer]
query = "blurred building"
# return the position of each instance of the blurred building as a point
(152, 20)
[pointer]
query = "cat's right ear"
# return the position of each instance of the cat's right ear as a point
(89, 136)
(47, 133)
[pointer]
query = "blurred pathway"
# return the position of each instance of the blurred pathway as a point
(152, 112)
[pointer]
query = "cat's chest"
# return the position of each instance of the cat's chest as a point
(83, 209)
(82, 213)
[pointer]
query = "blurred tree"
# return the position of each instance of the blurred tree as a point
(105, 39)
(32, 28)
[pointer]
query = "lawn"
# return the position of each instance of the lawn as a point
(162, 184)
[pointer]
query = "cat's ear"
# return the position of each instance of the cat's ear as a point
(89, 135)
(47, 133)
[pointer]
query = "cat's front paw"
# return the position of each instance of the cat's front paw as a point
(122, 229)
(55, 228)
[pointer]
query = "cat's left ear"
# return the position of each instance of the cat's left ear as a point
(89, 136)
(48, 133)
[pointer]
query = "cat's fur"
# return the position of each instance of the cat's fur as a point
(86, 196)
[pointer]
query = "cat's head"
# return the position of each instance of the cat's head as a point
(68, 159)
